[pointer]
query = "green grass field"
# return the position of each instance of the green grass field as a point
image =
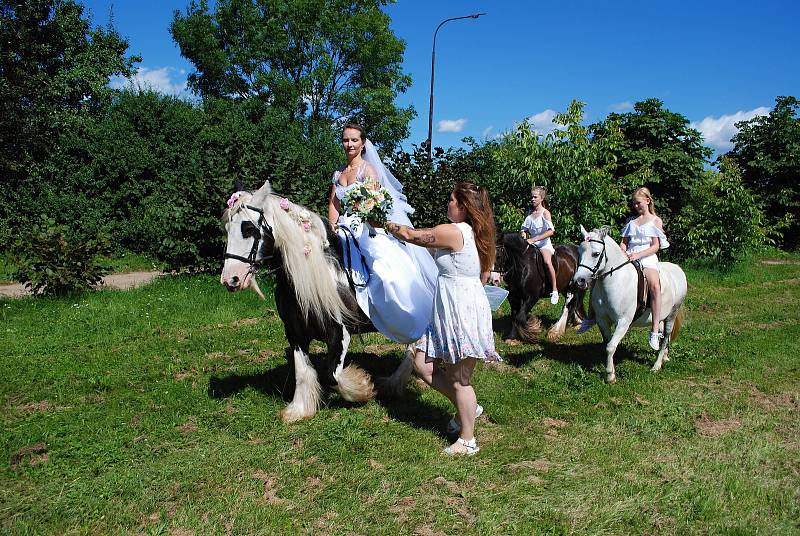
(155, 411)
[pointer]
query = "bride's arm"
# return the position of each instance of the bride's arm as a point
(333, 207)
(442, 236)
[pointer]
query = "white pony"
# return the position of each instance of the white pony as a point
(614, 295)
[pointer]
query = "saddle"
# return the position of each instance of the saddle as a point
(642, 295)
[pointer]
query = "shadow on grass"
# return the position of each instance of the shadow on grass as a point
(279, 382)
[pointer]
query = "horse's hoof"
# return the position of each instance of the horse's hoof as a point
(611, 378)
(513, 342)
(289, 416)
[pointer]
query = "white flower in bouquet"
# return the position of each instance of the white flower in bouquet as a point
(369, 201)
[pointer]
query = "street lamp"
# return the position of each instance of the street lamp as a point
(433, 64)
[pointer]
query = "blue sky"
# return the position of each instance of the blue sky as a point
(714, 62)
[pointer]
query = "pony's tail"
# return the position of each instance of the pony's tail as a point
(676, 326)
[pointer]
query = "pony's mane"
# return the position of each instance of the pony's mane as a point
(311, 274)
(602, 232)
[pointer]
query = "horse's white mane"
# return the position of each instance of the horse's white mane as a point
(311, 274)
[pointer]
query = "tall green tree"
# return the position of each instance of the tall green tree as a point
(321, 61)
(658, 150)
(577, 171)
(767, 148)
(54, 68)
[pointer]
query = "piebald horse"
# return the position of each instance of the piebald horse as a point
(614, 295)
(313, 295)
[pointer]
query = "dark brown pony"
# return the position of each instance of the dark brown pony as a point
(527, 281)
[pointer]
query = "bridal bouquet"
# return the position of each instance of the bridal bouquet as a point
(369, 201)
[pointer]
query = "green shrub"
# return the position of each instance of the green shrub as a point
(53, 260)
(722, 221)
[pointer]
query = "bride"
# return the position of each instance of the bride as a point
(394, 281)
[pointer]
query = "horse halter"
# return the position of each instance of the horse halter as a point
(603, 256)
(262, 227)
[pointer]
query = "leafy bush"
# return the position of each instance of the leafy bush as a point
(722, 221)
(576, 170)
(53, 260)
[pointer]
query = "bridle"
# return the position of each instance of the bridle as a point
(262, 228)
(596, 274)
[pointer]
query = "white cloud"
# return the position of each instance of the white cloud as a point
(165, 80)
(621, 106)
(451, 125)
(718, 131)
(543, 122)
(486, 131)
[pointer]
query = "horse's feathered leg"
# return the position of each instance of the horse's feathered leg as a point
(307, 392)
(557, 330)
(395, 385)
(352, 382)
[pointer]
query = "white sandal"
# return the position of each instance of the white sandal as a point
(470, 448)
(453, 427)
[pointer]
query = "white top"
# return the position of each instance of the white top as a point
(640, 236)
(536, 226)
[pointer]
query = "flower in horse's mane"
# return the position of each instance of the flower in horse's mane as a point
(303, 218)
(233, 198)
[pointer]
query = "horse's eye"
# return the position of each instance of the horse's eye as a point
(595, 254)
(249, 230)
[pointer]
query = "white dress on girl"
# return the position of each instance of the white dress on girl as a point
(462, 320)
(394, 281)
(536, 226)
(639, 239)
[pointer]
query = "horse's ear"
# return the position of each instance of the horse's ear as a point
(584, 233)
(264, 191)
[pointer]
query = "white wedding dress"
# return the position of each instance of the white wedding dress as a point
(394, 281)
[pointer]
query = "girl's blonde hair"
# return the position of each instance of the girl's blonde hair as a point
(644, 192)
(543, 192)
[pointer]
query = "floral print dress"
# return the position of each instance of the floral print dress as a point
(461, 326)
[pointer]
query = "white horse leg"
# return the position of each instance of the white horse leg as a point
(559, 327)
(352, 382)
(619, 331)
(307, 391)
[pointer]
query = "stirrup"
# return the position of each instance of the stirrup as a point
(453, 427)
(471, 447)
(585, 326)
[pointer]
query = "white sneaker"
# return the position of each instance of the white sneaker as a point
(453, 427)
(554, 297)
(585, 326)
(655, 340)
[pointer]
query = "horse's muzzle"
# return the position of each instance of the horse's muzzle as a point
(580, 282)
(233, 284)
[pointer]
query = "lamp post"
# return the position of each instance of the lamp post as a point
(433, 65)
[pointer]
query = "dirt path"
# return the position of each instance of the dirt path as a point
(116, 281)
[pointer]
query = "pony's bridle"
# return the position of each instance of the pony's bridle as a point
(261, 228)
(603, 256)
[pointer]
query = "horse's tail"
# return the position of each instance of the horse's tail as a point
(676, 326)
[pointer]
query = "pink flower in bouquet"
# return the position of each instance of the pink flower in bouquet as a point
(369, 204)
(284, 203)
